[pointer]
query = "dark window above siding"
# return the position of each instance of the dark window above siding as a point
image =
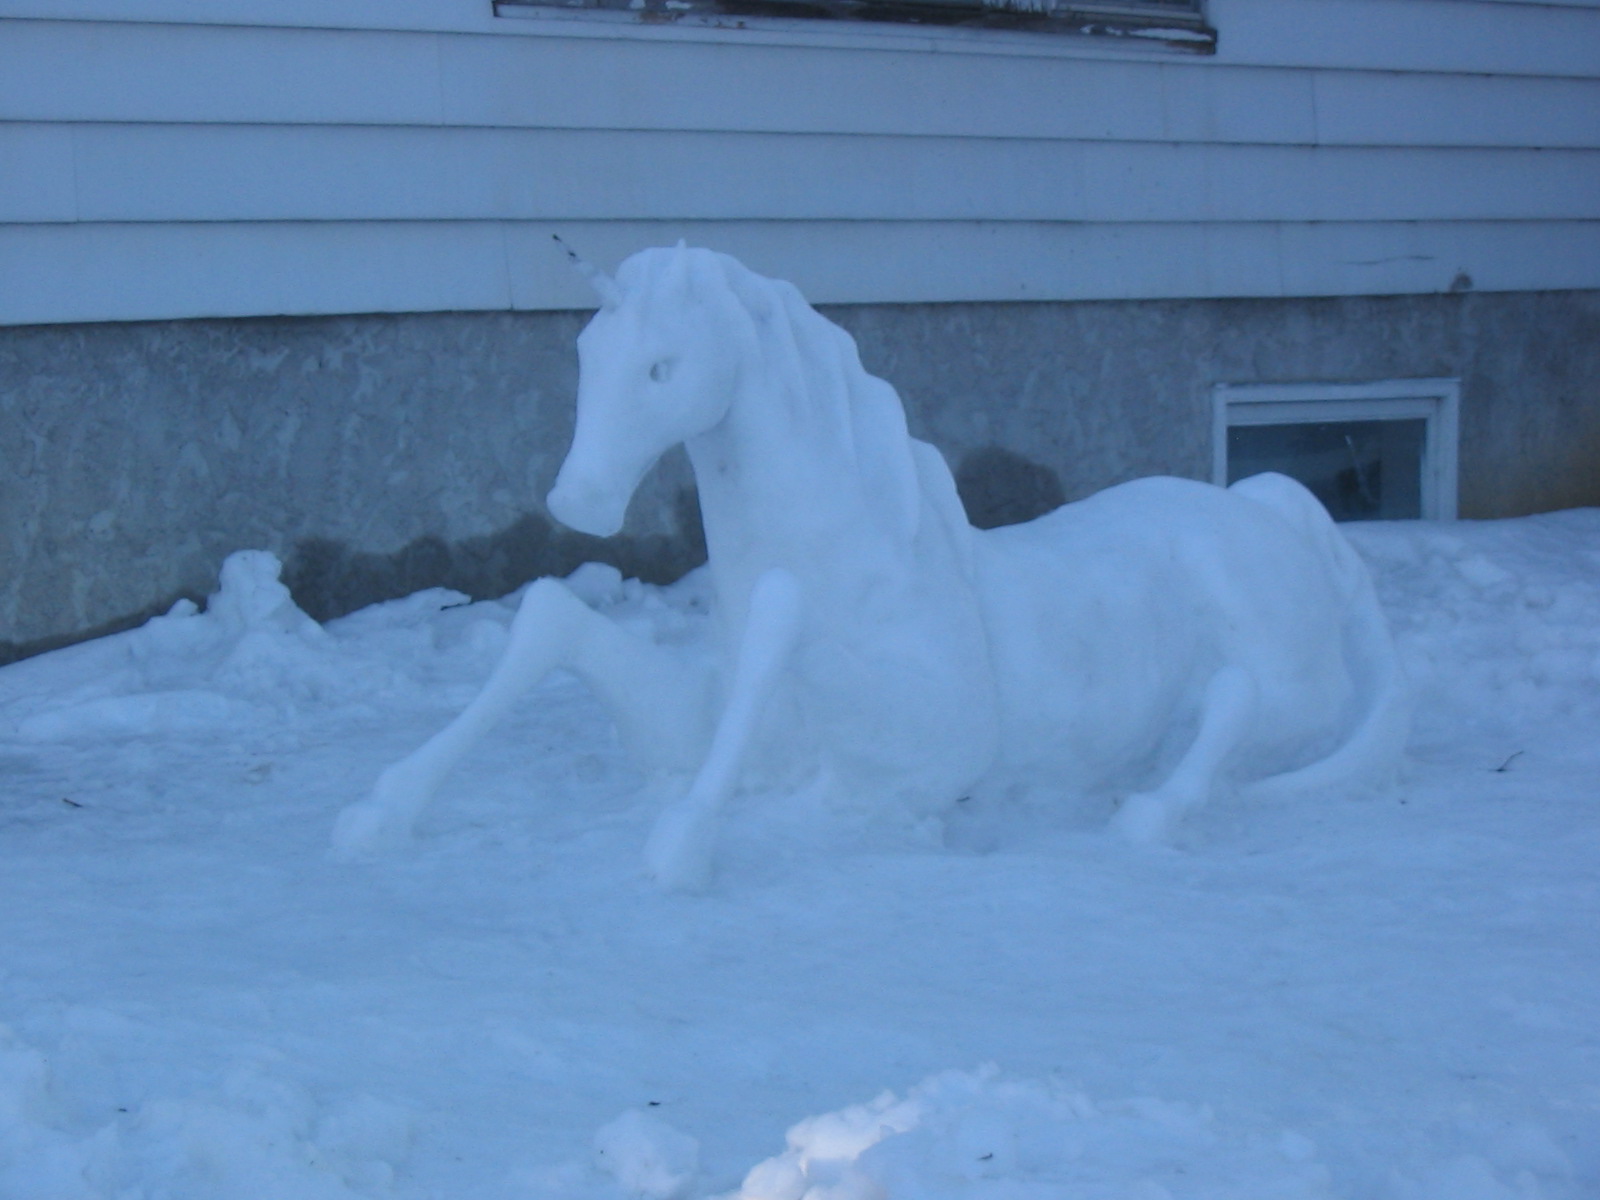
(1179, 24)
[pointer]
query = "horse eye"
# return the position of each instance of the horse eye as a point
(661, 371)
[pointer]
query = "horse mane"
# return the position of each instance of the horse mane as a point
(863, 412)
(816, 364)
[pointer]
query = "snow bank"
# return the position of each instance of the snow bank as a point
(647, 1157)
(980, 1136)
(251, 654)
(256, 1136)
(1507, 610)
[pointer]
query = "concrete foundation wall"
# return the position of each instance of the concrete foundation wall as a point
(382, 454)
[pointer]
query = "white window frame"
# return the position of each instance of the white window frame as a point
(1437, 401)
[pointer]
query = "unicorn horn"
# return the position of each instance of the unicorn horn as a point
(610, 293)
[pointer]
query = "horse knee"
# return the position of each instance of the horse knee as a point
(546, 600)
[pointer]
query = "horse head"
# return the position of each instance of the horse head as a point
(657, 365)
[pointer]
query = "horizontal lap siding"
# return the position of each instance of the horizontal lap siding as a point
(186, 169)
(1411, 35)
(108, 173)
(132, 272)
(160, 74)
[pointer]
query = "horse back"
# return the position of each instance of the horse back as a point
(1107, 617)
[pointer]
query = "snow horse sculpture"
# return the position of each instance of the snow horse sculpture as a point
(1145, 643)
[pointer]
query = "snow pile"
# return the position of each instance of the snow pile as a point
(647, 1157)
(252, 657)
(676, 615)
(1473, 1177)
(1507, 610)
(256, 1136)
(980, 1136)
(251, 654)
(37, 1160)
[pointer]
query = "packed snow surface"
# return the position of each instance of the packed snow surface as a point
(1392, 995)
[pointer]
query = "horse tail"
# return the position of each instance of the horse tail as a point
(1370, 755)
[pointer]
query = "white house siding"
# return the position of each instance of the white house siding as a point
(183, 158)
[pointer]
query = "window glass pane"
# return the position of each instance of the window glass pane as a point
(1179, 24)
(1360, 470)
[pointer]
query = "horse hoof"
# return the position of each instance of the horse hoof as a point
(678, 854)
(366, 828)
(1142, 819)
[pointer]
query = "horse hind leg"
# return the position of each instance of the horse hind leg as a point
(652, 694)
(1226, 714)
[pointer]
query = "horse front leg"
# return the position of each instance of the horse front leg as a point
(679, 851)
(660, 703)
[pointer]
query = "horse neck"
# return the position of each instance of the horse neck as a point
(777, 474)
(754, 470)
(810, 469)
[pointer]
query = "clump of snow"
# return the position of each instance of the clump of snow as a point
(37, 1160)
(251, 654)
(1508, 609)
(981, 1136)
(602, 585)
(647, 1157)
(256, 1135)
(260, 1135)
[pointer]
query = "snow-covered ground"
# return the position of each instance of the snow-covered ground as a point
(1393, 996)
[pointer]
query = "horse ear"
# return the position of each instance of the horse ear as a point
(610, 293)
(679, 274)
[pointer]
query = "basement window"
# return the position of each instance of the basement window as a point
(1369, 451)
(1173, 24)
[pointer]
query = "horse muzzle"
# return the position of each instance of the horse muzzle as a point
(587, 509)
